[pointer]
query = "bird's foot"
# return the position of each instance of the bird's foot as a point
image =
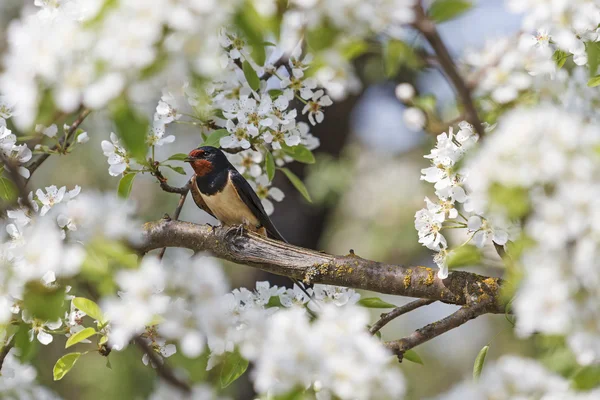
(237, 229)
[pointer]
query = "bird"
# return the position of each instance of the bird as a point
(220, 190)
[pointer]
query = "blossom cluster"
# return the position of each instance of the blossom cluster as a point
(550, 156)
(452, 198)
(513, 377)
(15, 154)
(568, 24)
(270, 326)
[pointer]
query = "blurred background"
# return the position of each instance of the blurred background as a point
(366, 190)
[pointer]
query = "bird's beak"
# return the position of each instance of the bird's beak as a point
(188, 159)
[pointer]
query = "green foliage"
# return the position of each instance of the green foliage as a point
(27, 348)
(444, 10)
(251, 23)
(297, 183)
(233, 367)
(354, 49)
(178, 157)
(412, 356)
(299, 153)
(479, 361)
(464, 255)
(79, 336)
(214, 138)
(269, 165)
(593, 53)
(512, 200)
(132, 128)
(64, 365)
(125, 185)
(179, 170)
(251, 76)
(560, 57)
(8, 190)
(321, 37)
(397, 54)
(44, 302)
(586, 378)
(90, 308)
(374, 302)
(595, 81)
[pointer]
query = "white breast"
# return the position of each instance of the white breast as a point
(229, 208)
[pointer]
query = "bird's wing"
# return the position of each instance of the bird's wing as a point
(198, 197)
(250, 198)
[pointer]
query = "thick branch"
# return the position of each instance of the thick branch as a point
(385, 318)
(460, 288)
(428, 332)
(175, 217)
(427, 27)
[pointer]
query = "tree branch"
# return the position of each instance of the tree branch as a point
(460, 288)
(385, 318)
(428, 332)
(161, 367)
(427, 27)
(63, 141)
(175, 217)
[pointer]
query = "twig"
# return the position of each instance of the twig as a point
(248, 248)
(428, 332)
(163, 370)
(168, 188)
(427, 27)
(175, 217)
(5, 350)
(63, 141)
(385, 318)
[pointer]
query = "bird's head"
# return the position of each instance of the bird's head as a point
(205, 159)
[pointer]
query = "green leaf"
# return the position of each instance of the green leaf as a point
(269, 165)
(214, 138)
(593, 53)
(560, 57)
(586, 378)
(233, 367)
(251, 24)
(125, 185)
(90, 308)
(397, 54)
(178, 157)
(132, 128)
(8, 190)
(374, 302)
(64, 365)
(27, 348)
(464, 255)
(44, 302)
(251, 76)
(412, 356)
(321, 37)
(513, 200)
(179, 170)
(354, 49)
(297, 183)
(595, 81)
(79, 336)
(479, 360)
(299, 153)
(444, 10)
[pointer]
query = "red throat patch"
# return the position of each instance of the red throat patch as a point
(202, 167)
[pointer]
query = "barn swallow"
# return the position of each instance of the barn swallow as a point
(220, 190)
